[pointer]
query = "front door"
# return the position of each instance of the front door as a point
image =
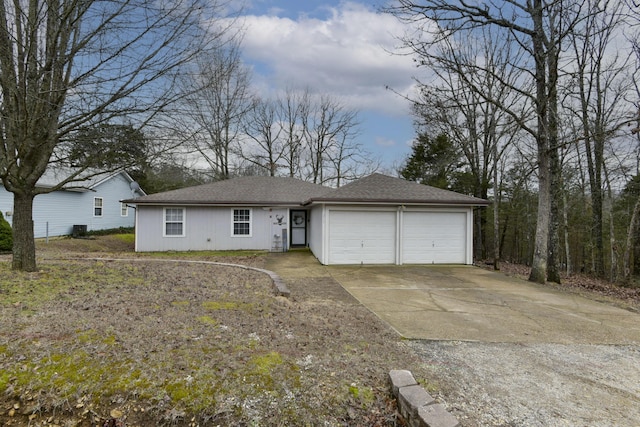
(298, 228)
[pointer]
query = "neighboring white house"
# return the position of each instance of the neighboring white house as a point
(375, 220)
(94, 203)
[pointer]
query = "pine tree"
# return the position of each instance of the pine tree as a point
(6, 235)
(433, 161)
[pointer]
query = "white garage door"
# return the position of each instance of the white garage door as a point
(366, 237)
(434, 238)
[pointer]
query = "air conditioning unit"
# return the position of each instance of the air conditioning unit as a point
(79, 230)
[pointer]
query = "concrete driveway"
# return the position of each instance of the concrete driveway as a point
(471, 304)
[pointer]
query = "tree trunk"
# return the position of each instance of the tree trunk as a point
(24, 248)
(497, 196)
(565, 226)
(553, 269)
(539, 265)
(614, 251)
(630, 233)
(555, 168)
(478, 235)
(541, 245)
(496, 235)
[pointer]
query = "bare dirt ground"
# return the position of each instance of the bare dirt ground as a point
(87, 342)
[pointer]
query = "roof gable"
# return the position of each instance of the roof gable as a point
(86, 180)
(250, 190)
(378, 188)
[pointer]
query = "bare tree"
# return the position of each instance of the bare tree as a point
(263, 127)
(599, 85)
(538, 27)
(325, 126)
(218, 102)
(293, 107)
(68, 63)
(634, 8)
(349, 161)
(481, 130)
(307, 136)
(635, 215)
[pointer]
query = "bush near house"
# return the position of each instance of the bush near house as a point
(6, 235)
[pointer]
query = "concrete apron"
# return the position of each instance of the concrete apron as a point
(471, 304)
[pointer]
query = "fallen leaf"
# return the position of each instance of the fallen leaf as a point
(116, 413)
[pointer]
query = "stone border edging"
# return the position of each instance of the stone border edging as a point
(280, 287)
(417, 406)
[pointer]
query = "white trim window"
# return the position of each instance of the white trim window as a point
(124, 209)
(173, 222)
(241, 222)
(98, 204)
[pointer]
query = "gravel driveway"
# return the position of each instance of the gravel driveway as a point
(507, 384)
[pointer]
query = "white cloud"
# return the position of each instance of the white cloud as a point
(385, 142)
(346, 54)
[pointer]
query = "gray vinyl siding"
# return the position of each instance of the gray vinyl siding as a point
(59, 211)
(206, 228)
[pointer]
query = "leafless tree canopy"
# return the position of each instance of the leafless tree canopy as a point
(552, 80)
(69, 63)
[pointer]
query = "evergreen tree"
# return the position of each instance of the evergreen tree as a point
(6, 236)
(433, 161)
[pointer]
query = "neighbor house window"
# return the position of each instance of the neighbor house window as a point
(241, 222)
(97, 206)
(124, 209)
(174, 222)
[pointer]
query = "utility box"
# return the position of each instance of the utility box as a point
(79, 230)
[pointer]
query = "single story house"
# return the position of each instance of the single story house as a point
(90, 204)
(375, 220)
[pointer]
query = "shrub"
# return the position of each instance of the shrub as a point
(110, 231)
(6, 235)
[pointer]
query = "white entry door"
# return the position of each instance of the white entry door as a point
(362, 237)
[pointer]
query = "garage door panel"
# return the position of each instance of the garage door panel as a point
(366, 237)
(434, 238)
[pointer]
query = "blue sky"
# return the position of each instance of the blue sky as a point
(341, 48)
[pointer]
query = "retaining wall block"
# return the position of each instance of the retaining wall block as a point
(437, 416)
(413, 397)
(400, 378)
(417, 406)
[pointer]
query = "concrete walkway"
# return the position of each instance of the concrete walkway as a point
(470, 304)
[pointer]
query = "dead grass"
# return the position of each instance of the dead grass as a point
(142, 343)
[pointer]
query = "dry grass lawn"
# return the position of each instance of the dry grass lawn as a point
(142, 342)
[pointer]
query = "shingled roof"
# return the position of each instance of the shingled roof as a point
(250, 190)
(378, 188)
(270, 191)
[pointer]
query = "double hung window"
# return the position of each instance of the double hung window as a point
(174, 222)
(97, 206)
(241, 222)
